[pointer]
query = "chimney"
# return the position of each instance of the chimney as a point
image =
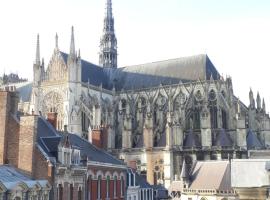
(52, 118)
(97, 137)
(9, 127)
(132, 164)
(90, 136)
(27, 140)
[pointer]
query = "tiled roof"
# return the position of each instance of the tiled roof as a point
(49, 140)
(219, 171)
(92, 152)
(11, 177)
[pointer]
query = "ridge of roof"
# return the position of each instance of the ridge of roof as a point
(166, 60)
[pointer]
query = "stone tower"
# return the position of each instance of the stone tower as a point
(38, 71)
(108, 42)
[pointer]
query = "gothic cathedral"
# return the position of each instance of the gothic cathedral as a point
(155, 115)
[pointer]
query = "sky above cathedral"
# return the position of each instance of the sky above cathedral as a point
(235, 34)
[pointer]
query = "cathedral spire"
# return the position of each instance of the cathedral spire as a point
(251, 99)
(72, 43)
(56, 41)
(263, 105)
(108, 42)
(258, 100)
(38, 51)
(109, 14)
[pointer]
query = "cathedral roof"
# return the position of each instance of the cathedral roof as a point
(252, 141)
(223, 139)
(91, 72)
(153, 74)
(190, 140)
(166, 72)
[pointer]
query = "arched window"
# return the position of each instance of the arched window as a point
(213, 109)
(122, 186)
(89, 187)
(99, 187)
(224, 119)
(60, 192)
(108, 186)
(114, 186)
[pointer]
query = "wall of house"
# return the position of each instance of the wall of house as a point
(86, 181)
(9, 128)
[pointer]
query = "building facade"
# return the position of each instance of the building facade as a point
(57, 165)
(157, 114)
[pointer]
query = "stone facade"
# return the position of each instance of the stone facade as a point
(152, 114)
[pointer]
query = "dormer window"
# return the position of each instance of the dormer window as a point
(76, 157)
(64, 155)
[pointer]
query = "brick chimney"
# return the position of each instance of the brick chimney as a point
(52, 118)
(132, 164)
(9, 126)
(27, 140)
(97, 137)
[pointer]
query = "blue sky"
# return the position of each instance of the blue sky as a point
(234, 33)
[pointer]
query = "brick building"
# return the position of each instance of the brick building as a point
(75, 168)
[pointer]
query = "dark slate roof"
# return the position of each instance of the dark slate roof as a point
(45, 129)
(25, 90)
(148, 75)
(191, 140)
(49, 138)
(184, 172)
(162, 141)
(165, 72)
(92, 152)
(10, 174)
(92, 73)
(10, 177)
(223, 139)
(139, 180)
(140, 142)
(252, 141)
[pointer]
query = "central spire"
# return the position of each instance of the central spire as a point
(108, 42)
(38, 52)
(109, 9)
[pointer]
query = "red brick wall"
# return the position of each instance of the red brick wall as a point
(52, 118)
(41, 169)
(27, 140)
(13, 141)
(96, 138)
(4, 108)
(9, 128)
